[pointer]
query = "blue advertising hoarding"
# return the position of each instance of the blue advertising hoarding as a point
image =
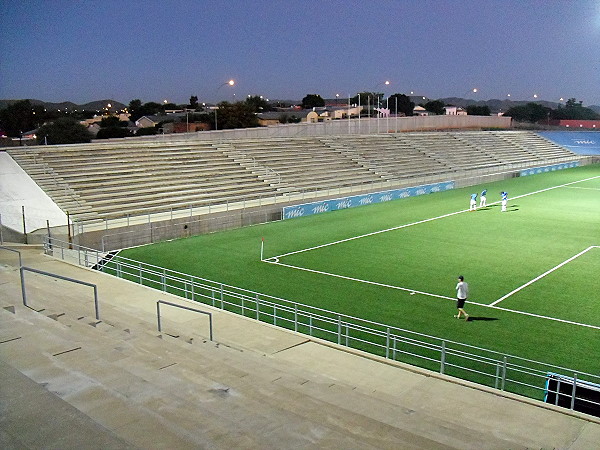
(580, 142)
(551, 168)
(307, 209)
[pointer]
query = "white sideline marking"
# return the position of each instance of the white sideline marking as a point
(514, 291)
(577, 187)
(423, 221)
(412, 292)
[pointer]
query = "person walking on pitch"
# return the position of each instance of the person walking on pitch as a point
(483, 199)
(473, 203)
(462, 292)
(504, 196)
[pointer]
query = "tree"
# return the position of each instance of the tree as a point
(474, 110)
(235, 115)
(436, 107)
(531, 112)
(574, 110)
(20, 117)
(137, 110)
(64, 130)
(258, 103)
(112, 132)
(312, 101)
(112, 121)
(403, 104)
(366, 98)
(194, 102)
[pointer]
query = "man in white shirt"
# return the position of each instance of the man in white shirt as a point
(462, 292)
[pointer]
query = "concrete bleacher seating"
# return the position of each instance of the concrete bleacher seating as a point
(78, 382)
(305, 163)
(113, 180)
(117, 180)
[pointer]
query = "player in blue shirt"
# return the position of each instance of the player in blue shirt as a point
(483, 199)
(473, 203)
(504, 196)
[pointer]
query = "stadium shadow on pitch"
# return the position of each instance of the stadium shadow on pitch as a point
(482, 318)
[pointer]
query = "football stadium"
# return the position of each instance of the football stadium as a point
(329, 243)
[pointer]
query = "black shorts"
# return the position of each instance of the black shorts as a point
(460, 303)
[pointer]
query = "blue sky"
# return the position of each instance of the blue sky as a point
(81, 51)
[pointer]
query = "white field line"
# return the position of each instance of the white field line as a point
(391, 286)
(539, 277)
(435, 295)
(418, 222)
(576, 187)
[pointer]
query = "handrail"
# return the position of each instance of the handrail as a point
(15, 251)
(24, 269)
(163, 302)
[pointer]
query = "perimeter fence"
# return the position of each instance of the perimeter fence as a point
(490, 368)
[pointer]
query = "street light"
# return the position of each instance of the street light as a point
(230, 83)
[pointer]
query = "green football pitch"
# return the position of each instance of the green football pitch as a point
(533, 271)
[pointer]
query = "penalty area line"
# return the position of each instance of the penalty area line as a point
(539, 277)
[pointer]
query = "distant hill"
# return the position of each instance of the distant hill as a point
(97, 105)
(595, 108)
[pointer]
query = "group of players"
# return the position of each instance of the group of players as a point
(483, 200)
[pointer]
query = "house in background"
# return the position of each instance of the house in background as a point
(148, 121)
(455, 111)
(420, 111)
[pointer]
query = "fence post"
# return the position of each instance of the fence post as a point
(339, 330)
(443, 357)
(503, 373)
(295, 316)
(158, 316)
(387, 343)
(23, 293)
(257, 308)
(574, 389)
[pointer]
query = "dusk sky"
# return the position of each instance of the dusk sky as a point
(82, 51)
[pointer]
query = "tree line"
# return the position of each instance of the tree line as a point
(55, 127)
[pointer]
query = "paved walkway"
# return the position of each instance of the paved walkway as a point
(70, 381)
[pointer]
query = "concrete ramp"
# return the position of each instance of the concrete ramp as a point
(18, 190)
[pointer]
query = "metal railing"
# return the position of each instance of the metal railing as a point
(162, 302)
(24, 269)
(487, 367)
